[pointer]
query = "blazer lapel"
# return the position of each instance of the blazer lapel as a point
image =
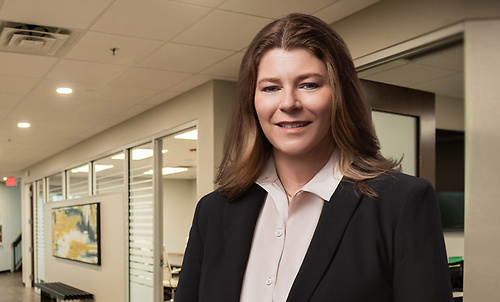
(240, 218)
(332, 223)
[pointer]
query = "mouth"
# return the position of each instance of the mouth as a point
(291, 125)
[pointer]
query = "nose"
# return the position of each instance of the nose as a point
(290, 100)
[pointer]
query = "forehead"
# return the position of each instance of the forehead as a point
(300, 60)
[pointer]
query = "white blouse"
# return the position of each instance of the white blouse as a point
(284, 231)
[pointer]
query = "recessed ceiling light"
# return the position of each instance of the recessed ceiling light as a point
(23, 125)
(64, 90)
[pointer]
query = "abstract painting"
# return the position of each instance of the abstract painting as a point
(75, 233)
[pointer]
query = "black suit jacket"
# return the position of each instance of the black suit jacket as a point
(388, 249)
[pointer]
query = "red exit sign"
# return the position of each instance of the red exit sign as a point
(10, 182)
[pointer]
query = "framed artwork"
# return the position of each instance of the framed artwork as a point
(1, 234)
(76, 233)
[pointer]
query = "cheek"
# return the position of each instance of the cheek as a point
(263, 111)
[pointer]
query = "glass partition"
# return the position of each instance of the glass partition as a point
(179, 167)
(141, 206)
(108, 174)
(78, 182)
(55, 187)
(39, 232)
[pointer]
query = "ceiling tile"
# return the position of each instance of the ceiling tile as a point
(24, 65)
(410, 75)
(276, 8)
(448, 86)
(223, 30)
(382, 68)
(97, 47)
(143, 78)
(10, 99)
(59, 103)
(10, 84)
(450, 59)
(174, 57)
(207, 3)
(162, 97)
(4, 111)
(58, 13)
(228, 68)
(149, 19)
(190, 83)
(342, 8)
(47, 88)
(85, 72)
(120, 95)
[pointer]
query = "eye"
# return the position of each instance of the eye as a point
(309, 86)
(270, 89)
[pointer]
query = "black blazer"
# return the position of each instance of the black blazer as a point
(387, 249)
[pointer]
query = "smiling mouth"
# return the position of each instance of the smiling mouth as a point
(293, 125)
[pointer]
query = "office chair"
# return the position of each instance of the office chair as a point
(169, 281)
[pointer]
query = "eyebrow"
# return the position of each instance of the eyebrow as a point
(300, 78)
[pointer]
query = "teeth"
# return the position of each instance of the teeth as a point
(293, 125)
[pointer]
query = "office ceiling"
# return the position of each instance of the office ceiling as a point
(121, 58)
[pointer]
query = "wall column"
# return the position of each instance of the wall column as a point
(482, 162)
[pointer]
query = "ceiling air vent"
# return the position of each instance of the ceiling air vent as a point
(30, 38)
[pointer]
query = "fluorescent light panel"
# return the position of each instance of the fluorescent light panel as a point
(191, 135)
(168, 170)
(85, 169)
(138, 154)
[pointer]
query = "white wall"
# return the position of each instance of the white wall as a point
(179, 202)
(106, 281)
(10, 218)
(482, 162)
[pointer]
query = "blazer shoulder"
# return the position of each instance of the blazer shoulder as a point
(400, 181)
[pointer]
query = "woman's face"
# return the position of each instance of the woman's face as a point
(293, 100)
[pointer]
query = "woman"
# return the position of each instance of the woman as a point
(308, 209)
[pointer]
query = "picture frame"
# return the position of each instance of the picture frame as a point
(76, 233)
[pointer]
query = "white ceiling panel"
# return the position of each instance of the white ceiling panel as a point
(228, 68)
(410, 75)
(162, 97)
(25, 65)
(207, 3)
(47, 88)
(15, 84)
(151, 19)
(61, 103)
(58, 13)
(343, 8)
(153, 79)
(449, 59)
(98, 47)
(223, 30)
(190, 83)
(275, 8)
(449, 86)
(120, 95)
(85, 72)
(8, 100)
(173, 57)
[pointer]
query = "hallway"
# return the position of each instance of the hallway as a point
(13, 290)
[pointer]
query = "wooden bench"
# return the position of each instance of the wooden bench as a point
(57, 291)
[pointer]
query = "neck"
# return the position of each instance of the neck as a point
(295, 171)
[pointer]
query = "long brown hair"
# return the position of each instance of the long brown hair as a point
(247, 150)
